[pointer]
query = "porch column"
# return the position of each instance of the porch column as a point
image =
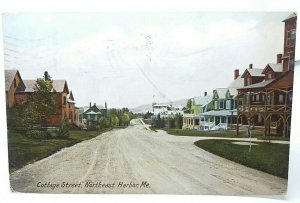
(284, 127)
(226, 122)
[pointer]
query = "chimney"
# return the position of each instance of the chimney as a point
(46, 75)
(205, 93)
(250, 66)
(105, 105)
(279, 58)
(90, 104)
(95, 104)
(236, 74)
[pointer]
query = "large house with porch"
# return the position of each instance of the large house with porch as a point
(199, 105)
(265, 101)
(223, 113)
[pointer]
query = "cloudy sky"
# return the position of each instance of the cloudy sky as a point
(133, 58)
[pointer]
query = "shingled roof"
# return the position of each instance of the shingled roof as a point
(254, 72)
(276, 67)
(58, 85)
(9, 78)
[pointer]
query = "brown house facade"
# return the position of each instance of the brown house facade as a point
(266, 103)
(19, 90)
(13, 81)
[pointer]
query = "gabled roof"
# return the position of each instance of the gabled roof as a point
(254, 72)
(202, 100)
(9, 78)
(276, 67)
(221, 92)
(292, 15)
(58, 85)
(71, 98)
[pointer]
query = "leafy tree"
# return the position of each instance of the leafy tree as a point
(102, 122)
(114, 120)
(188, 106)
(40, 105)
(126, 119)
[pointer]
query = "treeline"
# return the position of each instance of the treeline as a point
(174, 122)
(115, 117)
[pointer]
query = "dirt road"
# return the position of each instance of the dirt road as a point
(135, 160)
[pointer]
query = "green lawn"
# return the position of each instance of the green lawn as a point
(223, 133)
(23, 150)
(267, 157)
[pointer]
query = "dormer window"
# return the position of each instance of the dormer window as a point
(270, 76)
(248, 81)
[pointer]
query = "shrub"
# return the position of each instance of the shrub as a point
(63, 131)
(37, 134)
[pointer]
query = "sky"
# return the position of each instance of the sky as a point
(133, 58)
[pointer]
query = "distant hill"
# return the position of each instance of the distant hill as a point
(148, 107)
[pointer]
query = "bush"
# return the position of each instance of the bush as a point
(63, 131)
(37, 134)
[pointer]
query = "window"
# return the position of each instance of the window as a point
(280, 98)
(222, 104)
(216, 105)
(15, 83)
(291, 38)
(290, 97)
(248, 80)
(65, 100)
(291, 63)
(259, 119)
(270, 76)
(228, 104)
(257, 97)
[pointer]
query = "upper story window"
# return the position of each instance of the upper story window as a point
(221, 104)
(248, 81)
(291, 38)
(291, 63)
(228, 104)
(269, 75)
(257, 97)
(280, 99)
(216, 104)
(65, 100)
(15, 83)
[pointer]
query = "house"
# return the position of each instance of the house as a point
(267, 104)
(88, 115)
(13, 82)
(166, 110)
(18, 91)
(199, 105)
(224, 102)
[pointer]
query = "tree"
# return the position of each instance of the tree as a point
(40, 105)
(188, 106)
(102, 122)
(114, 120)
(126, 119)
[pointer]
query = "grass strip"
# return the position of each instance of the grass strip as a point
(23, 150)
(268, 157)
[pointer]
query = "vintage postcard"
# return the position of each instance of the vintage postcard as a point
(149, 102)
